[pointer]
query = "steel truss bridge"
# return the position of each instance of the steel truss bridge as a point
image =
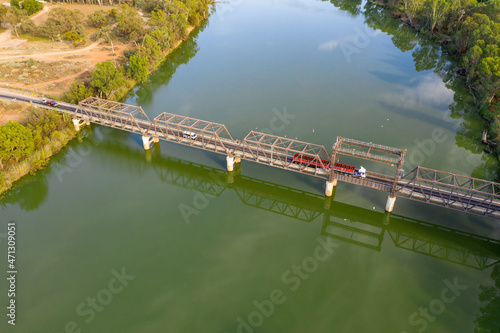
(435, 187)
(344, 222)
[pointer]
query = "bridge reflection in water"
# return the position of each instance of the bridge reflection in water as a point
(348, 223)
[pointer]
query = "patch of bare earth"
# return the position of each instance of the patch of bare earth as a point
(13, 111)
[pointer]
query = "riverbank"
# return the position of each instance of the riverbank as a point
(47, 133)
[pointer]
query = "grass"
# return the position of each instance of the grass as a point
(31, 38)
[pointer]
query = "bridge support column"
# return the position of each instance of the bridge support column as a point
(230, 163)
(328, 202)
(329, 187)
(146, 141)
(389, 206)
(78, 123)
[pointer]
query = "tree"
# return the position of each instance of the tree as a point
(435, 11)
(178, 25)
(488, 319)
(138, 69)
(464, 37)
(162, 37)
(129, 24)
(98, 19)
(3, 11)
(32, 6)
(149, 49)
(15, 4)
(76, 93)
(489, 73)
(16, 141)
(159, 19)
(13, 17)
(61, 21)
(107, 79)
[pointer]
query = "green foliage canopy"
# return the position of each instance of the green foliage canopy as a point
(16, 141)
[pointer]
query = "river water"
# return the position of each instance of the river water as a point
(113, 239)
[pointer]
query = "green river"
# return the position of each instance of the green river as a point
(110, 238)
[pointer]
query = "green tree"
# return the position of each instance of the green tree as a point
(198, 9)
(159, 19)
(162, 37)
(489, 73)
(60, 21)
(435, 11)
(16, 141)
(32, 6)
(130, 24)
(107, 79)
(77, 92)
(178, 25)
(15, 4)
(149, 49)
(3, 11)
(464, 37)
(98, 19)
(138, 68)
(488, 319)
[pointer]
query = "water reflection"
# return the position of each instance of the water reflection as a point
(29, 193)
(161, 77)
(358, 226)
(488, 318)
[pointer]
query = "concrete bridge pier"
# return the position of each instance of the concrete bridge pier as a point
(78, 123)
(230, 163)
(329, 187)
(389, 206)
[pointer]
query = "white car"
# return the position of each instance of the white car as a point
(189, 135)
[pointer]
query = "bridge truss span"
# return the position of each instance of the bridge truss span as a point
(430, 186)
(209, 135)
(285, 153)
(452, 191)
(113, 114)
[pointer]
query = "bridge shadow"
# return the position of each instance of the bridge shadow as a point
(344, 222)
